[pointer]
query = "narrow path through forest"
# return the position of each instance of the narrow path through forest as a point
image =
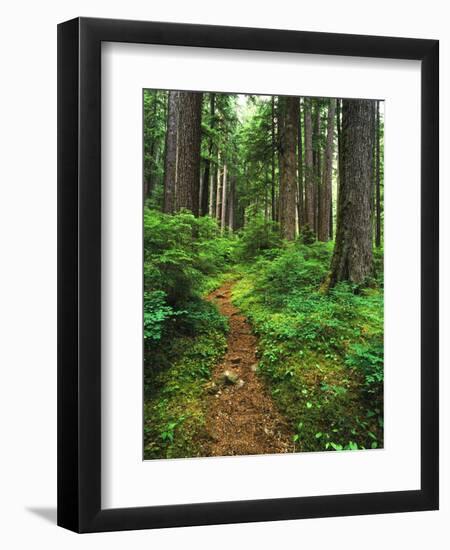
(242, 419)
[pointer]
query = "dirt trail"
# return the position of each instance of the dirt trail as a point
(242, 418)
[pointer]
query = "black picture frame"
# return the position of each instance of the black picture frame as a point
(79, 274)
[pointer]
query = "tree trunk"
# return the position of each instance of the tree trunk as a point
(212, 193)
(317, 163)
(151, 175)
(339, 144)
(232, 196)
(170, 164)
(279, 133)
(352, 256)
(378, 181)
(188, 176)
(300, 200)
(218, 190)
(224, 199)
(331, 218)
(204, 195)
(309, 171)
(325, 189)
(288, 166)
(273, 160)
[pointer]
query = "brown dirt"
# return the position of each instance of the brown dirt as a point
(242, 419)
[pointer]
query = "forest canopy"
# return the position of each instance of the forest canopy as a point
(263, 273)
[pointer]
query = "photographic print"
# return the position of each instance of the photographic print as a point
(263, 274)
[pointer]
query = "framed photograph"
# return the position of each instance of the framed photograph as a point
(248, 275)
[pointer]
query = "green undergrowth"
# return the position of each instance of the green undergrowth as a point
(174, 404)
(184, 334)
(320, 354)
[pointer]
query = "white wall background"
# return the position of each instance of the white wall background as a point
(28, 271)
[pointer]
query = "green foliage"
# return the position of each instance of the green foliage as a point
(298, 268)
(199, 316)
(307, 235)
(174, 405)
(258, 236)
(156, 314)
(181, 252)
(367, 357)
(321, 354)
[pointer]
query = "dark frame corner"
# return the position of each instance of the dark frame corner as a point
(79, 320)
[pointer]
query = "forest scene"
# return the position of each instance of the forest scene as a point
(263, 274)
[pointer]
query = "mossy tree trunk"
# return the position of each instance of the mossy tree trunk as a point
(352, 256)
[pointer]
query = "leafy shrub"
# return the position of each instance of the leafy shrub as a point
(295, 269)
(368, 358)
(156, 314)
(307, 235)
(198, 316)
(257, 236)
(182, 254)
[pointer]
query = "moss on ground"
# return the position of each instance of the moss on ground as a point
(174, 404)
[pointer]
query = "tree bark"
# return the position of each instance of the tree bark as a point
(224, 199)
(205, 195)
(339, 144)
(288, 166)
(273, 160)
(317, 163)
(279, 133)
(218, 190)
(331, 218)
(188, 176)
(151, 176)
(378, 181)
(309, 169)
(170, 164)
(212, 193)
(325, 189)
(232, 197)
(352, 256)
(300, 200)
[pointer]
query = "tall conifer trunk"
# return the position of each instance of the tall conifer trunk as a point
(378, 181)
(274, 217)
(309, 171)
(188, 170)
(300, 198)
(327, 173)
(170, 164)
(224, 199)
(204, 193)
(352, 256)
(288, 165)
